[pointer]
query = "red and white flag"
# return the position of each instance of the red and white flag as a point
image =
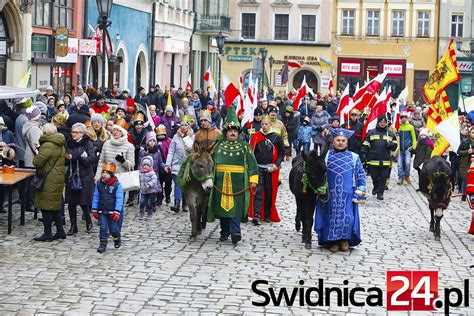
(302, 91)
(210, 85)
(230, 91)
(379, 108)
(388, 99)
(293, 63)
(344, 101)
(371, 87)
(189, 84)
(331, 86)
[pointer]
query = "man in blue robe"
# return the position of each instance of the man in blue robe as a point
(337, 220)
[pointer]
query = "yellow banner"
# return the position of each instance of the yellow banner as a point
(445, 73)
(437, 113)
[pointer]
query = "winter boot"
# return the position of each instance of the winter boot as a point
(117, 242)
(87, 214)
(408, 180)
(73, 219)
(168, 199)
(149, 215)
(44, 237)
(102, 246)
(141, 214)
(176, 206)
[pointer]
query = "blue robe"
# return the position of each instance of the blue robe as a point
(338, 218)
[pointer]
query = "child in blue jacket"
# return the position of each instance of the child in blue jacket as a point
(305, 134)
(107, 206)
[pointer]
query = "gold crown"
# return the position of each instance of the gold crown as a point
(122, 123)
(160, 130)
(109, 166)
(138, 117)
(266, 119)
(61, 118)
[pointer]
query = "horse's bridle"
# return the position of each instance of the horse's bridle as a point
(319, 191)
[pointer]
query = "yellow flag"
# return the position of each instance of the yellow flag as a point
(445, 73)
(437, 113)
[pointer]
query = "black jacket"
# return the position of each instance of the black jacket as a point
(85, 165)
(263, 150)
(291, 125)
(376, 148)
(355, 142)
(78, 115)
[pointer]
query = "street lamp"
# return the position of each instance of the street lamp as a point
(220, 40)
(469, 53)
(270, 62)
(263, 53)
(104, 7)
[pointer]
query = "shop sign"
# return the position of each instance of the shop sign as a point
(88, 47)
(97, 36)
(350, 68)
(39, 44)
(239, 58)
(3, 48)
(465, 66)
(325, 82)
(174, 46)
(61, 42)
(71, 57)
(393, 69)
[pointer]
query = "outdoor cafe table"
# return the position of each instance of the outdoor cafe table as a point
(9, 180)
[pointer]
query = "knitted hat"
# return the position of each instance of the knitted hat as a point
(33, 113)
(258, 111)
(121, 129)
(130, 103)
(100, 96)
(381, 118)
(78, 100)
(335, 118)
(205, 115)
(404, 114)
(51, 98)
(122, 107)
(149, 137)
(147, 160)
(97, 118)
(26, 103)
(424, 131)
(169, 108)
(272, 109)
(210, 102)
(289, 109)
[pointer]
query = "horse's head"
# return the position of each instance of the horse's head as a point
(203, 166)
(440, 191)
(315, 168)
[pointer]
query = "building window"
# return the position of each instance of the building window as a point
(281, 26)
(63, 13)
(373, 22)
(456, 25)
(347, 22)
(42, 13)
(248, 25)
(398, 23)
(308, 27)
(423, 24)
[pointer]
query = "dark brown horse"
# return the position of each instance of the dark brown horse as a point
(197, 178)
(307, 177)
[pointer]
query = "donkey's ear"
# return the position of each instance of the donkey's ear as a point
(196, 147)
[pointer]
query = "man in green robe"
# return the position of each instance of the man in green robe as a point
(235, 176)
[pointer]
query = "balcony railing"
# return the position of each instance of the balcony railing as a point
(213, 24)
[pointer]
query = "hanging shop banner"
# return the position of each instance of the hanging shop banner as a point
(350, 67)
(71, 57)
(62, 36)
(394, 68)
(87, 47)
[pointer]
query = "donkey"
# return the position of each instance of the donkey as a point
(436, 184)
(308, 173)
(197, 186)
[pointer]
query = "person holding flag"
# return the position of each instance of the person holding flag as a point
(375, 153)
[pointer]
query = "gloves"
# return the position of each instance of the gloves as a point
(120, 158)
(84, 155)
(95, 214)
(115, 216)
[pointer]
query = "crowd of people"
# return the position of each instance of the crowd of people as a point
(79, 144)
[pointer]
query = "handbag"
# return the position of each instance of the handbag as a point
(39, 179)
(75, 183)
(130, 180)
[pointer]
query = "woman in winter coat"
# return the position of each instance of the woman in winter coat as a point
(31, 133)
(180, 147)
(291, 125)
(81, 157)
(50, 161)
(98, 135)
(117, 150)
(79, 113)
(319, 123)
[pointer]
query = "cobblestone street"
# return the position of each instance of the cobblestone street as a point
(160, 270)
